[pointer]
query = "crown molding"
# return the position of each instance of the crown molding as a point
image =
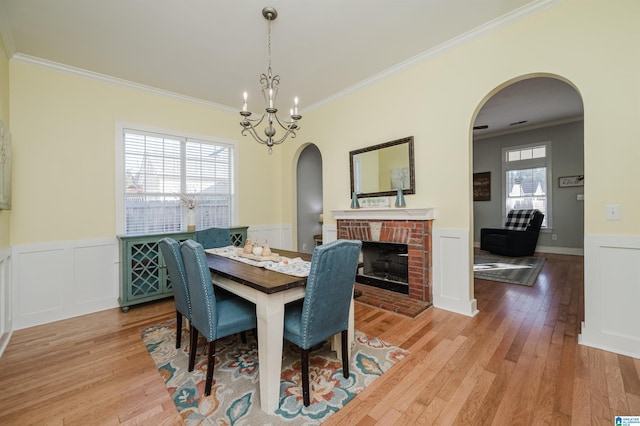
(448, 45)
(79, 72)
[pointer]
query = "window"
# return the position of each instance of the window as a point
(160, 170)
(527, 170)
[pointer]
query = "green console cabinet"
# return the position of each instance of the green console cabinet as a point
(143, 274)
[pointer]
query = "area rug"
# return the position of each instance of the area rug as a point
(235, 398)
(513, 270)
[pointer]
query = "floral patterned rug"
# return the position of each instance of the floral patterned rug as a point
(234, 398)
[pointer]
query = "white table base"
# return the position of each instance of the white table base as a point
(270, 313)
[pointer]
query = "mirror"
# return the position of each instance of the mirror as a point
(379, 170)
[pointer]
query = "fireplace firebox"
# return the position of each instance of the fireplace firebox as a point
(385, 265)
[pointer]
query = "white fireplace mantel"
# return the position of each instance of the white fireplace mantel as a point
(389, 213)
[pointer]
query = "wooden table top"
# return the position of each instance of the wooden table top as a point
(253, 276)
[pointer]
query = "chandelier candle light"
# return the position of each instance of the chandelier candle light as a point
(269, 84)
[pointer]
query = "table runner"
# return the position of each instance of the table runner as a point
(296, 266)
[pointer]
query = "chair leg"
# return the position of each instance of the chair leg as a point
(345, 354)
(192, 348)
(210, 364)
(178, 329)
(243, 337)
(305, 377)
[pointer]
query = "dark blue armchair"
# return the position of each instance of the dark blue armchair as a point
(214, 318)
(324, 310)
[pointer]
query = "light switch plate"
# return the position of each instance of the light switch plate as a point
(613, 212)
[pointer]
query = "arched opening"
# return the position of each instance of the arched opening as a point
(537, 111)
(309, 198)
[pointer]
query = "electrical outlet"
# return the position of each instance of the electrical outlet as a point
(304, 247)
(554, 237)
(612, 212)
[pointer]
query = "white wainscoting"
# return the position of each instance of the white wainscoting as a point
(451, 263)
(6, 314)
(329, 233)
(612, 294)
(64, 279)
(278, 236)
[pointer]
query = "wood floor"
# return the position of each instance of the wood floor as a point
(517, 362)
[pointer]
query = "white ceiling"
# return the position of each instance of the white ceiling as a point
(214, 50)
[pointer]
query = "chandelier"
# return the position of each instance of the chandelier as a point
(269, 84)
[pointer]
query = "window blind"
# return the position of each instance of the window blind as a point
(161, 170)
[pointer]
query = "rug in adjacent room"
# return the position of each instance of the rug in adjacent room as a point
(513, 270)
(234, 398)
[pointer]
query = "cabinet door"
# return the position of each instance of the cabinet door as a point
(145, 273)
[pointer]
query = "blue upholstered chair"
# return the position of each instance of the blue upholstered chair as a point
(212, 317)
(213, 237)
(324, 311)
(170, 250)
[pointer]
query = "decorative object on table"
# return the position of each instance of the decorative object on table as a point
(400, 199)
(189, 201)
(354, 201)
(567, 181)
(266, 250)
(482, 186)
(234, 398)
(513, 270)
(257, 249)
(270, 85)
(5, 168)
(248, 247)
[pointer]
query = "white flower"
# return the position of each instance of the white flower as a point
(189, 200)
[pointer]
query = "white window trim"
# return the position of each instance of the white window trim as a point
(120, 126)
(526, 164)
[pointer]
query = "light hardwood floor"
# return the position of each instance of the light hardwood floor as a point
(517, 362)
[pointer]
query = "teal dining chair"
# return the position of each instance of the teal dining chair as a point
(214, 318)
(213, 237)
(324, 311)
(170, 250)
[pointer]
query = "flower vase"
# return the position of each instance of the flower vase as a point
(354, 201)
(400, 198)
(191, 220)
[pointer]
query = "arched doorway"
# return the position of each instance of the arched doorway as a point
(530, 111)
(308, 197)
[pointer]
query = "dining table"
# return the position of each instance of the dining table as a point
(270, 291)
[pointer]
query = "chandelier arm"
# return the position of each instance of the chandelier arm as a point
(286, 124)
(252, 132)
(287, 133)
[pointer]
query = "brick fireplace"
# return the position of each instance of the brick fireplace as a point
(396, 225)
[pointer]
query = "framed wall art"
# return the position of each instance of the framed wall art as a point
(5, 168)
(566, 181)
(482, 186)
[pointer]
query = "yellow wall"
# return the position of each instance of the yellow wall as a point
(593, 44)
(63, 128)
(64, 153)
(4, 116)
